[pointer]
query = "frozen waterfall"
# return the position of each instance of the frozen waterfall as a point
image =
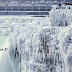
(41, 46)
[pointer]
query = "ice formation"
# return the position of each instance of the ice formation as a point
(41, 47)
(61, 17)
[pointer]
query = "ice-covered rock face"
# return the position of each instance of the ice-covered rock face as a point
(41, 47)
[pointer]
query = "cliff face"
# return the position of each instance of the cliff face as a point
(43, 46)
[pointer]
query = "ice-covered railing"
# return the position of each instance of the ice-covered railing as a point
(43, 46)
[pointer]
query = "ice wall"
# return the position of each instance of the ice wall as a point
(43, 47)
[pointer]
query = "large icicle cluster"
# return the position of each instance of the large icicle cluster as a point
(41, 47)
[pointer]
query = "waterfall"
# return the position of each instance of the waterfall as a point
(44, 48)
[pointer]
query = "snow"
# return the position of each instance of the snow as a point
(6, 63)
(41, 44)
(44, 44)
(61, 17)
